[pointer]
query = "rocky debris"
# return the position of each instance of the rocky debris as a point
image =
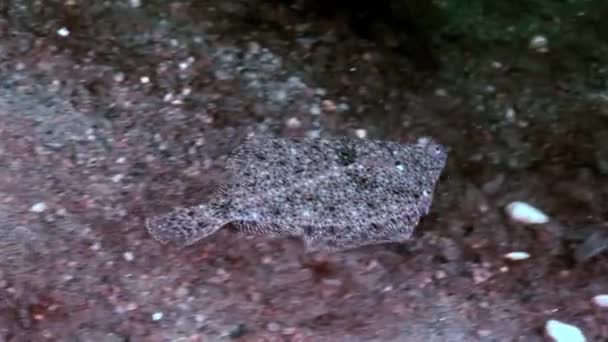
(601, 300)
(563, 332)
(525, 213)
(517, 256)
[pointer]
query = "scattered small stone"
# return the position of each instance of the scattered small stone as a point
(484, 332)
(273, 327)
(198, 318)
(361, 133)
(496, 65)
(517, 256)
(562, 332)
(237, 331)
(294, 123)
(440, 274)
(182, 292)
(128, 256)
(135, 3)
(280, 96)
(343, 107)
(290, 331)
(441, 92)
(157, 316)
(490, 89)
(315, 109)
(539, 43)
(117, 178)
(63, 32)
(119, 77)
(253, 48)
(601, 300)
(96, 246)
(525, 213)
(320, 92)
(144, 79)
(328, 106)
(38, 207)
(510, 114)
(480, 275)
(315, 133)
(332, 282)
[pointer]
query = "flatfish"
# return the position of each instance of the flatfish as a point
(333, 193)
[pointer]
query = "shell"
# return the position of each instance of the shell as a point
(523, 212)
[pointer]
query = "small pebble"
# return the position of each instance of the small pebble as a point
(117, 178)
(525, 213)
(182, 292)
(516, 256)
(481, 275)
(198, 318)
(441, 92)
(144, 79)
(119, 77)
(63, 32)
(315, 109)
(361, 133)
(38, 207)
(237, 331)
(273, 327)
(510, 114)
(294, 123)
(128, 256)
(329, 105)
(601, 300)
(539, 43)
(157, 316)
(135, 3)
(562, 332)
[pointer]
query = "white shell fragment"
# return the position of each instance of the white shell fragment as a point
(523, 212)
(601, 300)
(516, 256)
(539, 43)
(562, 332)
(38, 207)
(361, 133)
(63, 32)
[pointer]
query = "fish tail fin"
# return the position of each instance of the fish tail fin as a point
(183, 226)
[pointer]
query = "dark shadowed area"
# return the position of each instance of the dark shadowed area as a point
(114, 111)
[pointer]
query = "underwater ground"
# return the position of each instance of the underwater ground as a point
(112, 111)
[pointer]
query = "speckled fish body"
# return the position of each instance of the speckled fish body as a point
(335, 194)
